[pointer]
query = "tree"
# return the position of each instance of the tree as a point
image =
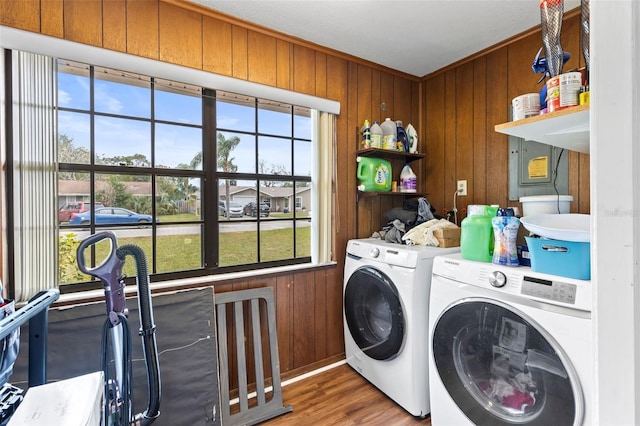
(69, 153)
(225, 162)
(187, 190)
(273, 169)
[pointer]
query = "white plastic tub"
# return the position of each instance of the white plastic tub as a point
(545, 204)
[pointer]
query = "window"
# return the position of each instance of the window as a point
(175, 168)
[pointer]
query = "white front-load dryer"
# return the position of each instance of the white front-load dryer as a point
(509, 346)
(386, 302)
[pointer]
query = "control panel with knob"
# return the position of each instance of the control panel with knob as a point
(497, 279)
(374, 252)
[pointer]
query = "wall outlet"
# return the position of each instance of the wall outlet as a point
(462, 187)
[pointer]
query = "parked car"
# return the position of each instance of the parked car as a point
(65, 212)
(251, 209)
(110, 216)
(235, 209)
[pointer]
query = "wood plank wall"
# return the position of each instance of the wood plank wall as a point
(463, 103)
(309, 303)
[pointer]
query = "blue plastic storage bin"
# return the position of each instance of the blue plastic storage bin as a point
(557, 257)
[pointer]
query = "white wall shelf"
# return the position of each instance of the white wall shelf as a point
(567, 128)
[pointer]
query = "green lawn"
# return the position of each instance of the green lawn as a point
(183, 252)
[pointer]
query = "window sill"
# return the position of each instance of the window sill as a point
(186, 283)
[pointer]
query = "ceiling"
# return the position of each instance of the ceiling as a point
(417, 37)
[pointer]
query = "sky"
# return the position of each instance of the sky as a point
(175, 144)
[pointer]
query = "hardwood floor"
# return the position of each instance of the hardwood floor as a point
(340, 396)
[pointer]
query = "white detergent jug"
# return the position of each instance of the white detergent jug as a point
(389, 134)
(376, 135)
(408, 180)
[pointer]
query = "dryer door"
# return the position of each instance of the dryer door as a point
(502, 368)
(373, 312)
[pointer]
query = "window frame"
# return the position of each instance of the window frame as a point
(209, 175)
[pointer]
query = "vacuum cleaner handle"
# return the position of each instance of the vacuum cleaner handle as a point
(109, 271)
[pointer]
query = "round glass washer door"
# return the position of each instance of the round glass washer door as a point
(502, 368)
(374, 314)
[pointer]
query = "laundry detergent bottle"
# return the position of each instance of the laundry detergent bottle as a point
(374, 174)
(376, 135)
(476, 233)
(505, 231)
(390, 135)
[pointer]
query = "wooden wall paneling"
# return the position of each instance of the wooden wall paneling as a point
(321, 74)
(262, 58)
(433, 144)
(320, 330)
(497, 144)
(464, 134)
(239, 54)
(114, 28)
(450, 135)
(180, 35)
(480, 84)
(365, 96)
(21, 14)
(217, 46)
(283, 292)
(574, 178)
(386, 96)
(304, 70)
(83, 22)
(348, 144)
(402, 100)
(521, 78)
(334, 279)
(283, 64)
(304, 319)
(376, 111)
(345, 178)
(584, 189)
(142, 28)
(52, 18)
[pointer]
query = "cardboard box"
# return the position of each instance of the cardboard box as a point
(447, 237)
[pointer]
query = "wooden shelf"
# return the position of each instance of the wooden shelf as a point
(362, 194)
(567, 128)
(388, 153)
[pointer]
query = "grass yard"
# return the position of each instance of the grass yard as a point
(184, 252)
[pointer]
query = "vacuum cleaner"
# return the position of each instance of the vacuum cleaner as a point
(116, 338)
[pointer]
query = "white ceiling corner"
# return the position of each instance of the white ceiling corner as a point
(416, 37)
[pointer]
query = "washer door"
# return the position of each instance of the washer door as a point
(502, 368)
(373, 312)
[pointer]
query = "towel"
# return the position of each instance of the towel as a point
(422, 235)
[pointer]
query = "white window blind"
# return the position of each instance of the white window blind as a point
(35, 245)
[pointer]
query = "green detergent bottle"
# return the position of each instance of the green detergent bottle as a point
(374, 174)
(476, 234)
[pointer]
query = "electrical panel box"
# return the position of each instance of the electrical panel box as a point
(536, 169)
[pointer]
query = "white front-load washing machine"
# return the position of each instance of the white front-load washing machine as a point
(386, 302)
(509, 346)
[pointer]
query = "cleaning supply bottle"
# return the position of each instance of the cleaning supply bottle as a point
(505, 230)
(407, 179)
(389, 134)
(476, 234)
(365, 131)
(374, 174)
(402, 141)
(376, 135)
(412, 135)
